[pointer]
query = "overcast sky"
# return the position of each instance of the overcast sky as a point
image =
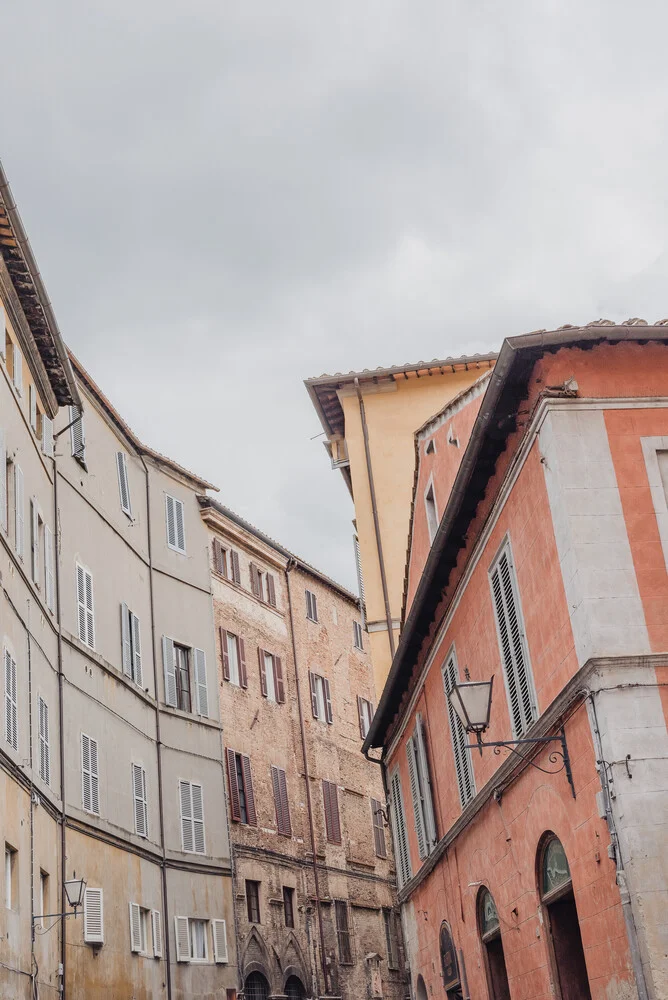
(225, 198)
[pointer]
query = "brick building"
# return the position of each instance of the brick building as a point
(313, 870)
(537, 557)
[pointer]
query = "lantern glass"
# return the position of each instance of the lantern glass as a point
(472, 701)
(74, 890)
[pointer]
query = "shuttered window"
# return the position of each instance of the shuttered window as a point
(357, 636)
(404, 872)
(93, 916)
(253, 901)
(271, 676)
(156, 929)
(32, 406)
(462, 756)
(44, 748)
(123, 482)
(182, 938)
(17, 370)
(321, 698)
(240, 782)
(343, 936)
(199, 657)
(379, 847)
(85, 606)
(11, 702)
(220, 561)
(311, 606)
(49, 578)
(512, 643)
(138, 929)
(360, 579)
(330, 795)
(34, 541)
(255, 580)
(233, 652)
(77, 436)
(192, 817)
(281, 802)
(47, 435)
(364, 715)
(90, 779)
(236, 569)
(418, 772)
(131, 645)
(19, 512)
(140, 800)
(174, 515)
(219, 928)
(3, 483)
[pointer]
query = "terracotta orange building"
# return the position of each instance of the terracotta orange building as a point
(537, 558)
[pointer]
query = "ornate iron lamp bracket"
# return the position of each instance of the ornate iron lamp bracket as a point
(559, 757)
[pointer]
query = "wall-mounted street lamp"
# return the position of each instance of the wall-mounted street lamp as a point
(74, 891)
(472, 701)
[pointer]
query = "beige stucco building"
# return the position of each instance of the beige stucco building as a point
(111, 763)
(369, 419)
(314, 870)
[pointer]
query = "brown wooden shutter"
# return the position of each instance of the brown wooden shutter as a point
(331, 801)
(314, 695)
(248, 790)
(263, 672)
(241, 656)
(256, 583)
(223, 561)
(271, 589)
(216, 555)
(281, 800)
(378, 829)
(328, 702)
(235, 808)
(360, 716)
(225, 654)
(278, 680)
(236, 572)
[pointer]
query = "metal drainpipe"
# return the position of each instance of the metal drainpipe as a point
(289, 567)
(627, 909)
(158, 743)
(376, 522)
(61, 741)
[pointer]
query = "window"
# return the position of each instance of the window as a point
(182, 678)
(90, 779)
(330, 795)
(19, 511)
(220, 558)
(156, 928)
(263, 585)
(462, 755)
(199, 940)
(192, 939)
(44, 751)
(77, 436)
(36, 531)
(253, 901)
(176, 536)
(131, 645)
(418, 771)
(403, 858)
(378, 829)
(390, 940)
(93, 916)
(289, 906)
(32, 406)
(234, 658)
(140, 800)
(311, 606)
(219, 940)
(360, 578)
(47, 435)
(271, 676)
(4, 469)
(430, 447)
(43, 893)
(85, 605)
(11, 880)
(123, 482)
(430, 509)
(139, 920)
(242, 799)
(364, 715)
(176, 662)
(281, 802)
(17, 369)
(11, 702)
(321, 699)
(512, 643)
(192, 817)
(357, 636)
(343, 932)
(49, 581)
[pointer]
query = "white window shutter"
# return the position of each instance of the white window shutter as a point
(219, 941)
(425, 784)
(187, 837)
(135, 927)
(77, 434)
(139, 797)
(180, 526)
(200, 681)
(18, 369)
(93, 916)
(170, 670)
(136, 649)
(156, 928)
(461, 753)
(18, 510)
(49, 580)
(94, 778)
(89, 775)
(11, 705)
(47, 435)
(85, 606)
(123, 482)
(399, 832)
(3, 482)
(34, 540)
(512, 644)
(126, 641)
(198, 819)
(417, 798)
(44, 749)
(32, 403)
(182, 936)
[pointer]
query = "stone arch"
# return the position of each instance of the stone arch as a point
(255, 956)
(293, 962)
(421, 991)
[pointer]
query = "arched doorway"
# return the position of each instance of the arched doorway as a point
(492, 945)
(449, 964)
(256, 987)
(556, 894)
(294, 989)
(421, 989)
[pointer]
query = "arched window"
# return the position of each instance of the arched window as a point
(449, 964)
(421, 989)
(555, 886)
(490, 934)
(256, 987)
(294, 989)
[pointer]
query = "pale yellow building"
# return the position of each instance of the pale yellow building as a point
(370, 419)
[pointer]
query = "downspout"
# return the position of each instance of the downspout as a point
(158, 742)
(376, 521)
(323, 958)
(627, 909)
(61, 741)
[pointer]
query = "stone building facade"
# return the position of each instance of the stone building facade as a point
(108, 772)
(544, 569)
(313, 869)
